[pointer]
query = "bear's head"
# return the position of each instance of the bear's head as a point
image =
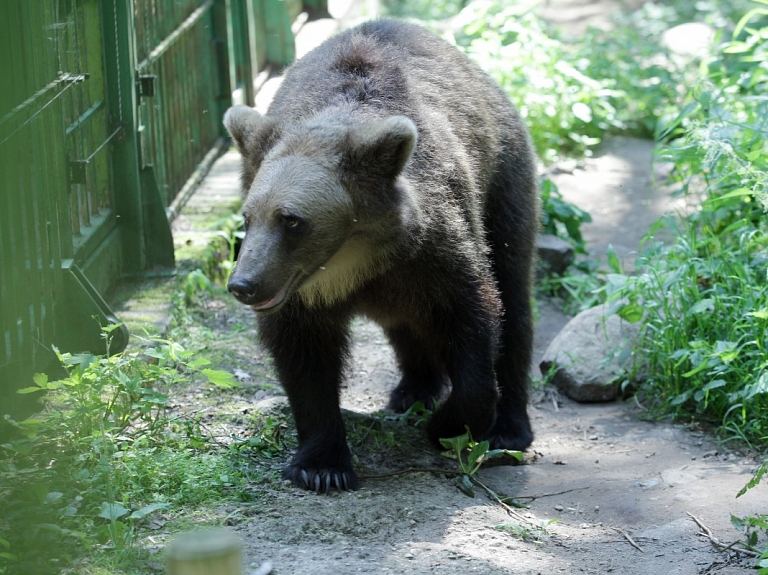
(324, 202)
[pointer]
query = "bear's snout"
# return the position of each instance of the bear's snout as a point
(243, 289)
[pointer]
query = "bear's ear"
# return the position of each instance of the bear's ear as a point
(383, 147)
(251, 132)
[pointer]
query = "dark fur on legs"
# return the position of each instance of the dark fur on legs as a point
(390, 178)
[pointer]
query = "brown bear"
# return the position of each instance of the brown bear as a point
(391, 178)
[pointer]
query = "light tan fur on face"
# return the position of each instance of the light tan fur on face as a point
(355, 263)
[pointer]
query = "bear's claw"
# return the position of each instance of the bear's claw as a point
(321, 480)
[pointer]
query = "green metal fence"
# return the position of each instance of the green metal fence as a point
(108, 109)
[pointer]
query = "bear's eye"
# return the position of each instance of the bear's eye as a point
(290, 221)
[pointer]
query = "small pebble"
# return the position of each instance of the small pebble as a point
(558, 507)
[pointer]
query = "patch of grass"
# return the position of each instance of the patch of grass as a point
(103, 458)
(560, 218)
(703, 300)
(528, 533)
(755, 527)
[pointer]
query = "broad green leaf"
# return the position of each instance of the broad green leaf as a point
(25, 390)
(682, 398)
(631, 312)
(112, 511)
(144, 511)
(714, 384)
(703, 305)
(737, 48)
(53, 497)
(477, 452)
(494, 453)
(40, 379)
(458, 443)
(760, 314)
(220, 378)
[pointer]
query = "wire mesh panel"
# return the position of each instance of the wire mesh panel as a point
(56, 193)
(35, 213)
(180, 87)
(107, 108)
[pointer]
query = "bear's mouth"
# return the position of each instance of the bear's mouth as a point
(273, 303)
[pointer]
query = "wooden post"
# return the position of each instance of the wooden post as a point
(205, 552)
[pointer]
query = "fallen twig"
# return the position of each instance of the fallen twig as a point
(628, 538)
(535, 497)
(413, 470)
(716, 542)
(498, 500)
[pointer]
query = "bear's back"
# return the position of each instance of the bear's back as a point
(388, 67)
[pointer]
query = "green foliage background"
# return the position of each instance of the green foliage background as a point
(83, 478)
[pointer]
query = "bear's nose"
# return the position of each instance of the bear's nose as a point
(242, 289)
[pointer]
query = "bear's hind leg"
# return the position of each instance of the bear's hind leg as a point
(512, 232)
(468, 337)
(512, 429)
(423, 378)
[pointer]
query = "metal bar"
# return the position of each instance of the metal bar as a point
(101, 146)
(64, 77)
(163, 46)
(120, 55)
(71, 78)
(97, 105)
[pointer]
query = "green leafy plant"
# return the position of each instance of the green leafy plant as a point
(196, 283)
(417, 414)
(570, 93)
(267, 439)
(560, 218)
(100, 458)
(754, 526)
(703, 300)
(470, 455)
(528, 532)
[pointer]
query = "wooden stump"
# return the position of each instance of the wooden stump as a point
(205, 552)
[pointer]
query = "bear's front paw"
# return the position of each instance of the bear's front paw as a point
(321, 480)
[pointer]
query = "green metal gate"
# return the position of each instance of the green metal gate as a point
(109, 109)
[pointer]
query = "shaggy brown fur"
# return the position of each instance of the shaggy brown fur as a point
(390, 178)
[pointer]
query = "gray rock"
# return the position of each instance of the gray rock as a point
(555, 254)
(591, 355)
(690, 40)
(275, 406)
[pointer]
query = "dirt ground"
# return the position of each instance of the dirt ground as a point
(596, 476)
(609, 492)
